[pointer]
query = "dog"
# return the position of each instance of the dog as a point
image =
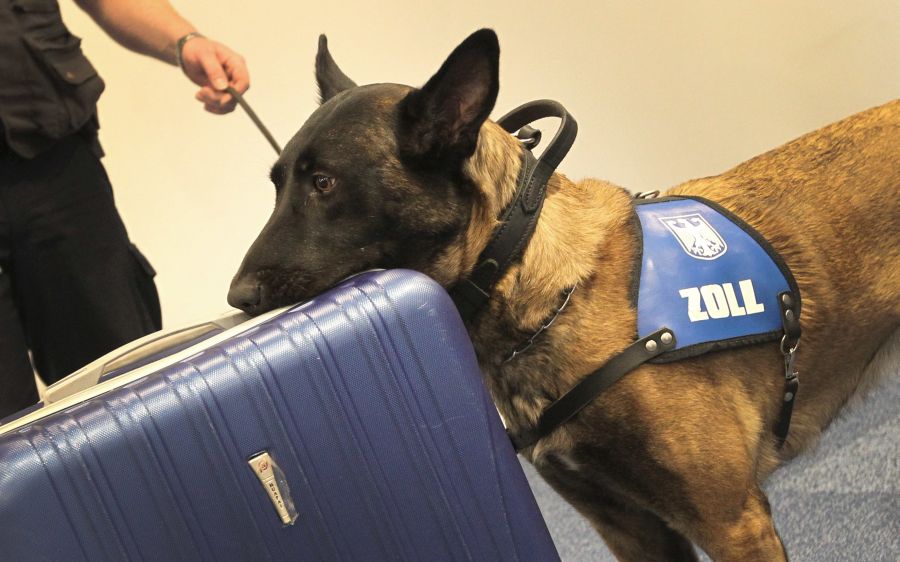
(391, 176)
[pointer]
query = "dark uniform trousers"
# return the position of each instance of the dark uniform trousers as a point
(72, 286)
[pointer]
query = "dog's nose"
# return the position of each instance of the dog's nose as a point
(245, 295)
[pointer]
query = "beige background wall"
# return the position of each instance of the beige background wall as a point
(663, 92)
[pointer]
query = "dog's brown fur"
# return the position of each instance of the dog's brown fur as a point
(676, 452)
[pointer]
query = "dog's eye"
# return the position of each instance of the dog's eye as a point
(322, 182)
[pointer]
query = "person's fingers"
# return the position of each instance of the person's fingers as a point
(236, 68)
(214, 71)
(213, 97)
(206, 94)
(214, 109)
(229, 106)
(226, 103)
(214, 67)
(221, 103)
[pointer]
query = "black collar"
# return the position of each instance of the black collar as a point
(520, 217)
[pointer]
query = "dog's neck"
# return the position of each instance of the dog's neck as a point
(568, 248)
(571, 245)
(571, 229)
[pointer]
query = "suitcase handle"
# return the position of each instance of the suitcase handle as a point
(158, 344)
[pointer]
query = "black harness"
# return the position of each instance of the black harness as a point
(507, 245)
(520, 218)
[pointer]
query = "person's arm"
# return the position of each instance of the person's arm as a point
(153, 27)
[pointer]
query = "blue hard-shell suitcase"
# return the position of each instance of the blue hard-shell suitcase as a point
(351, 427)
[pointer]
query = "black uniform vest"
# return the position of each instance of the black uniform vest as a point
(48, 88)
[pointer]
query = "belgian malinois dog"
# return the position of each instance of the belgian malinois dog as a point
(391, 176)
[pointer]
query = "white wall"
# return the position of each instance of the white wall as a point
(663, 92)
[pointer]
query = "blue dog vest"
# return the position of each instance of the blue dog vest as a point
(707, 276)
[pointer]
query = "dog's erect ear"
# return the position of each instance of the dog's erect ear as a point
(330, 78)
(443, 118)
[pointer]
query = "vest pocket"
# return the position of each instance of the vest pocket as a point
(74, 78)
(64, 59)
(51, 43)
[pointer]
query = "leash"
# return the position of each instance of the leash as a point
(253, 117)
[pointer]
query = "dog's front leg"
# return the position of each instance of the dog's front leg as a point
(634, 534)
(749, 536)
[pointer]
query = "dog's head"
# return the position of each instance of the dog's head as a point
(375, 178)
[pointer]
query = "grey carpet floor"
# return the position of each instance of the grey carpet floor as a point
(840, 502)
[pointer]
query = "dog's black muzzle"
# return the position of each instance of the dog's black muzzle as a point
(246, 295)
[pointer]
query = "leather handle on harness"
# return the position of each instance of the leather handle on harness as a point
(556, 150)
(520, 217)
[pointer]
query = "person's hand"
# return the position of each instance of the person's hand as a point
(214, 67)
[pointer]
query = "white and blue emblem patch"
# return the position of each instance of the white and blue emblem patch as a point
(696, 236)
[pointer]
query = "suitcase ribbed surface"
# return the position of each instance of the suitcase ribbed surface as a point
(368, 397)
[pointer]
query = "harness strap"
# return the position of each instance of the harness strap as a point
(645, 349)
(591, 386)
(791, 320)
(520, 218)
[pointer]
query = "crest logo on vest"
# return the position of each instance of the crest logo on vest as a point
(697, 237)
